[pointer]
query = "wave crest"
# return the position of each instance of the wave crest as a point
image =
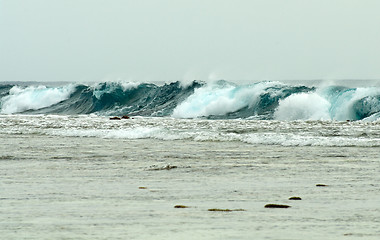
(217, 100)
(32, 98)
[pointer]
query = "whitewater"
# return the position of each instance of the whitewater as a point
(199, 160)
(215, 100)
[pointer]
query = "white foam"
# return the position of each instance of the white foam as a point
(303, 106)
(129, 85)
(129, 133)
(22, 99)
(215, 99)
(344, 104)
(135, 133)
(321, 105)
(293, 140)
(276, 133)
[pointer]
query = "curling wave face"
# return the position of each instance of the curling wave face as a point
(218, 100)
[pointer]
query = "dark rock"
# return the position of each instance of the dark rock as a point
(142, 187)
(321, 185)
(224, 210)
(115, 118)
(125, 117)
(295, 198)
(180, 206)
(276, 206)
(348, 234)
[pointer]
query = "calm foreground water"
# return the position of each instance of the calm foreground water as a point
(86, 177)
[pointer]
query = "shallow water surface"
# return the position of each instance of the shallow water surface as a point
(86, 177)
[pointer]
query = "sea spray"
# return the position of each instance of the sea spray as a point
(221, 98)
(305, 106)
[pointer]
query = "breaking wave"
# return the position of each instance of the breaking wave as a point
(218, 100)
(32, 98)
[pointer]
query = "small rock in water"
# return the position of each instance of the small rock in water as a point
(321, 185)
(295, 198)
(276, 206)
(142, 187)
(167, 167)
(125, 117)
(224, 210)
(180, 206)
(348, 234)
(115, 118)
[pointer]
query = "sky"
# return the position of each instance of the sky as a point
(170, 40)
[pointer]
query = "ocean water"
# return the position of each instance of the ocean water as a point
(266, 100)
(69, 172)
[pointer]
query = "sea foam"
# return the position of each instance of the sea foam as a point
(305, 106)
(220, 98)
(22, 99)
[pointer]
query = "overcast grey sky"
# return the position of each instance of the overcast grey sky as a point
(169, 40)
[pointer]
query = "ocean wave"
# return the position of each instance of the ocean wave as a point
(215, 100)
(21, 99)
